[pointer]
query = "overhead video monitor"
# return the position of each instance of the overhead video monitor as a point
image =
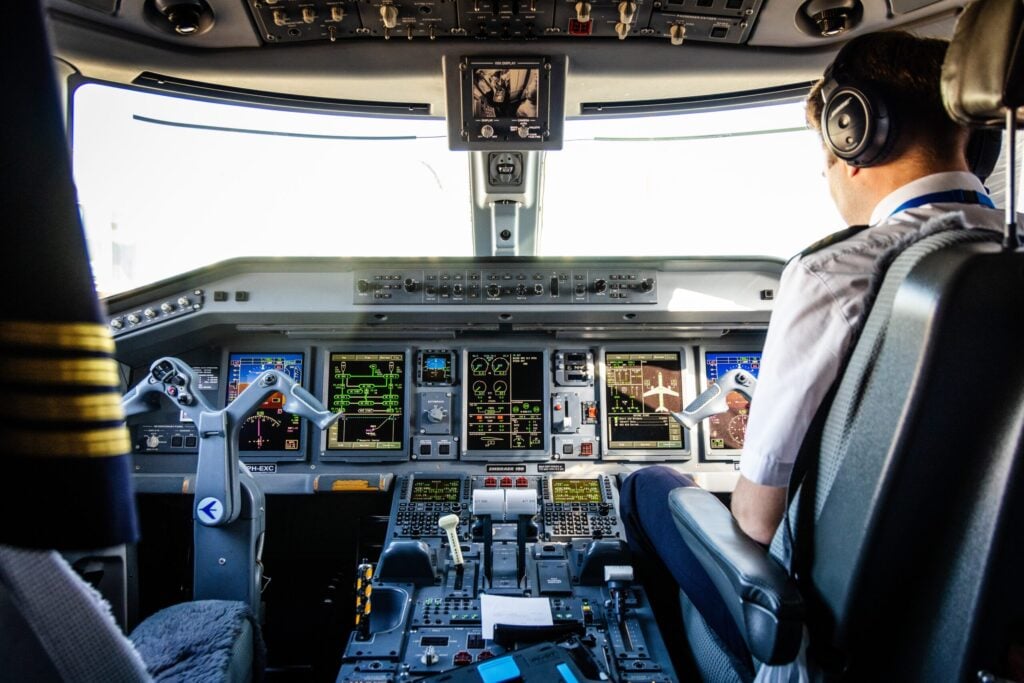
(641, 390)
(727, 431)
(505, 103)
(369, 388)
(505, 402)
(269, 430)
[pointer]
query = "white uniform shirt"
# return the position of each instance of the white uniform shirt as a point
(821, 302)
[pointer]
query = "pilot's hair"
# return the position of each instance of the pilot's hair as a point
(905, 70)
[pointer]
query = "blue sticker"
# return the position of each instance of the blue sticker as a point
(210, 510)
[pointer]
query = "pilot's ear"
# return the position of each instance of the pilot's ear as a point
(850, 169)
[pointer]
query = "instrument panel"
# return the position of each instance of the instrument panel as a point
(574, 367)
(475, 401)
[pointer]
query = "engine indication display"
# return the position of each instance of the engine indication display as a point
(435, 491)
(369, 388)
(575, 491)
(269, 428)
(505, 401)
(641, 390)
(727, 431)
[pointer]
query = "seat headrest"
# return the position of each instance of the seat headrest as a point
(983, 74)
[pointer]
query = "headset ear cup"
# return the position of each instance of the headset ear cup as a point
(856, 126)
(983, 148)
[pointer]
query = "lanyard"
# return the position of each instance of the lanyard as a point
(948, 197)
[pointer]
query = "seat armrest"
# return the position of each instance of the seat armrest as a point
(761, 597)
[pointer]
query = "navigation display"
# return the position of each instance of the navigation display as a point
(269, 428)
(727, 431)
(369, 388)
(641, 390)
(435, 491)
(575, 491)
(505, 401)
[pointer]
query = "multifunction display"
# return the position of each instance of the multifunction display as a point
(727, 431)
(269, 428)
(505, 401)
(435, 491)
(575, 491)
(642, 389)
(369, 388)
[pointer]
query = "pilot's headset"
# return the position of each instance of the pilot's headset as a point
(860, 127)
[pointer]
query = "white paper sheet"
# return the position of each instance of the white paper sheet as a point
(500, 609)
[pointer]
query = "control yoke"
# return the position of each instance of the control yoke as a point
(712, 401)
(217, 483)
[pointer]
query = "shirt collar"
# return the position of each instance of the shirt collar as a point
(936, 182)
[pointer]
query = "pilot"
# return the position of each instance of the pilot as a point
(920, 171)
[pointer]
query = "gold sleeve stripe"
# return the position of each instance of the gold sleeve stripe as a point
(89, 407)
(94, 372)
(94, 443)
(77, 336)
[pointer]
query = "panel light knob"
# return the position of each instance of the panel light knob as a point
(583, 12)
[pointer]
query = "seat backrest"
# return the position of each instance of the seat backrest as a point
(915, 498)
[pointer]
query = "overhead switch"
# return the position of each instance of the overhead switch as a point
(583, 12)
(627, 12)
(677, 34)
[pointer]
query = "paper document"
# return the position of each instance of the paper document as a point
(500, 609)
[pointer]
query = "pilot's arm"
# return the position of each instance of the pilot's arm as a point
(808, 336)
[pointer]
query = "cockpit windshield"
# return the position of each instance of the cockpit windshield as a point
(167, 184)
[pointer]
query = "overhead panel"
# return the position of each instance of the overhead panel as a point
(716, 21)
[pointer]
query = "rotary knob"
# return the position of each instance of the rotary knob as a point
(134, 319)
(457, 290)
(117, 323)
(647, 284)
(150, 313)
(167, 307)
(409, 285)
(487, 131)
(600, 285)
(621, 30)
(184, 302)
(363, 286)
(493, 290)
(538, 289)
(436, 414)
